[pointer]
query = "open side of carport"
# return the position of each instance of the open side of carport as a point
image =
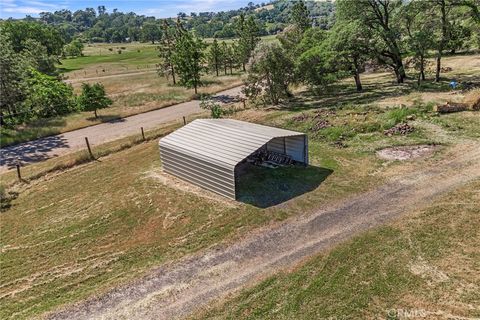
(208, 152)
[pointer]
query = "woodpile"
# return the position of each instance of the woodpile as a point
(476, 105)
(450, 107)
(472, 98)
(401, 128)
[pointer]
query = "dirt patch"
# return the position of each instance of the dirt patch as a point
(176, 183)
(406, 152)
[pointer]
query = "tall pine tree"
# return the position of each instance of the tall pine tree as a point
(215, 56)
(188, 57)
(248, 32)
(167, 49)
(300, 16)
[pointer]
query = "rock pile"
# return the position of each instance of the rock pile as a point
(401, 128)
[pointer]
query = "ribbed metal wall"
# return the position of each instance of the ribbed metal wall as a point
(199, 172)
(294, 146)
(205, 152)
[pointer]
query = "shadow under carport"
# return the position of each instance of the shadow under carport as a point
(266, 187)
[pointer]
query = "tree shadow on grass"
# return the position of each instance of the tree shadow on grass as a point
(265, 187)
(338, 94)
(107, 118)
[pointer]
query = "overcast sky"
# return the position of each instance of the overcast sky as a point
(159, 8)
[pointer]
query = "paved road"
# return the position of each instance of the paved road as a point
(176, 290)
(53, 146)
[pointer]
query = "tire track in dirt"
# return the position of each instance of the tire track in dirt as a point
(176, 290)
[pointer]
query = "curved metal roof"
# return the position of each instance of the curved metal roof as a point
(225, 142)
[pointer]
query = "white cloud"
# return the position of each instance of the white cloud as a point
(40, 4)
(153, 11)
(200, 5)
(23, 10)
(31, 7)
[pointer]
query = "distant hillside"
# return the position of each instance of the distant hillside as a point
(100, 25)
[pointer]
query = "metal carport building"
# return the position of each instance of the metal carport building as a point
(207, 152)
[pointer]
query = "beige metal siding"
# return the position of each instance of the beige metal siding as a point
(276, 145)
(199, 172)
(296, 147)
(206, 151)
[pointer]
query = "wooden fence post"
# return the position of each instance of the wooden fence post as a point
(89, 149)
(143, 134)
(184, 120)
(18, 172)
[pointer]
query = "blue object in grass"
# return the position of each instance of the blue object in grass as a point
(453, 84)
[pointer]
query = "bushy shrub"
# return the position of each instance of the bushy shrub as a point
(216, 110)
(48, 97)
(93, 97)
(270, 72)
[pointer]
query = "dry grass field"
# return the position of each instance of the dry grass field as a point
(73, 233)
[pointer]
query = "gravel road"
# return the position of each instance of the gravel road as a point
(53, 146)
(176, 290)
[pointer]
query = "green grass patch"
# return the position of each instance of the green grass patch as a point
(463, 123)
(136, 57)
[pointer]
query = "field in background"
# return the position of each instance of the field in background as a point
(133, 56)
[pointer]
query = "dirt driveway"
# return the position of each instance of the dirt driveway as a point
(53, 146)
(175, 290)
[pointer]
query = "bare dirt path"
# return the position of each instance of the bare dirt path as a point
(176, 290)
(119, 75)
(49, 147)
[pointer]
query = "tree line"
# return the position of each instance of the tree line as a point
(100, 25)
(29, 84)
(390, 34)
